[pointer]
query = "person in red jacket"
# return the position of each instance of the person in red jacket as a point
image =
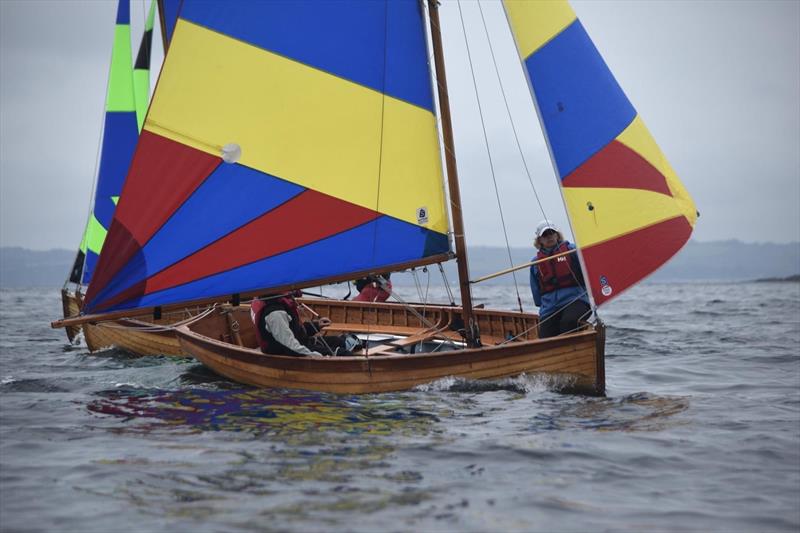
(373, 288)
(557, 285)
(281, 331)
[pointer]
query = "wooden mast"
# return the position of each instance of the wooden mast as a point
(470, 325)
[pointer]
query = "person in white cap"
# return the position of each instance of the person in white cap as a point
(557, 285)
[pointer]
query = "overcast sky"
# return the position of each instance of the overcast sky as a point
(717, 83)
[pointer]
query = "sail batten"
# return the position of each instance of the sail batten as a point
(339, 168)
(628, 210)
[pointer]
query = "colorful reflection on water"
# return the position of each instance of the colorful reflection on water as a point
(260, 411)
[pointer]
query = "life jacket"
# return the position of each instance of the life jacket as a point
(373, 293)
(259, 309)
(558, 273)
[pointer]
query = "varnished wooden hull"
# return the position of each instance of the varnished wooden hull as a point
(69, 303)
(132, 337)
(578, 356)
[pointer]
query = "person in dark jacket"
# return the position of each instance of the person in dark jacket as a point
(557, 285)
(281, 331)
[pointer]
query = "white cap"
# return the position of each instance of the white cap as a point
(545, 225)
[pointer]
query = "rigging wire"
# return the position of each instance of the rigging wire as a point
(510, 116)
(423, 320)
(383, 126)
(489, 152)
(513, 125)
(416, 283)
(447, 285)
(96, 177)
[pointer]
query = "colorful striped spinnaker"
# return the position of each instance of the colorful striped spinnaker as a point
(629, 211)
(120, 134)
(326, 114)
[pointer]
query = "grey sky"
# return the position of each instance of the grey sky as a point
(717, 83)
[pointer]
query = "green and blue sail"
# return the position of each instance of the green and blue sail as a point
(126, 106)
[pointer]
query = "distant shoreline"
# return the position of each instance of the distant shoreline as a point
(712, 262)
(795, 278)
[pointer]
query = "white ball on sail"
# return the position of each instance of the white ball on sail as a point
(231, 153)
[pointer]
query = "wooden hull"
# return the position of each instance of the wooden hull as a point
(231, 352)
(71, 307)
(132, 336)
(135, 335)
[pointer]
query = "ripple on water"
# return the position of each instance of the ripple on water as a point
(108, 441)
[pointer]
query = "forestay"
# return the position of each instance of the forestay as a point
(332, 162)
(628, 210)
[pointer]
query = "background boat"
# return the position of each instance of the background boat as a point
(127, 101)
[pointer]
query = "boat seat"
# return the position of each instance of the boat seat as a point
(389, 347)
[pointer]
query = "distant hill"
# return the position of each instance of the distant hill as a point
(795, 278)
(697, 261)
(707, 261)
(20, 267)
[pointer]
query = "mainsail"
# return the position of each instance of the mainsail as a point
(325, 116)
(629, 211)
(120, 133)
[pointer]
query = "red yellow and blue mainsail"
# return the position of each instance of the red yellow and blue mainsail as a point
(329, 111)
(629, 211)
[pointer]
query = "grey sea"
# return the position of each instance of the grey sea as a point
(699, 431)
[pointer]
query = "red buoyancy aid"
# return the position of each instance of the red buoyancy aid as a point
(374, 293)
(558, 273)
(259, 309)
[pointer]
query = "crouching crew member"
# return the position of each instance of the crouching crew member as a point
(280, 330)
(557, 285)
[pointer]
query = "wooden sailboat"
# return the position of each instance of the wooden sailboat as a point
(402, 351)
(118, 143)
(323, 152)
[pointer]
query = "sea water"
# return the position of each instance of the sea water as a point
(699, 431)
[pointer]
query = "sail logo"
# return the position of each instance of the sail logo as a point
(605, 288)
(422, 215)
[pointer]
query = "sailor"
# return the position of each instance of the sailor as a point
(280, 330)
(557, 285)
(376, 288)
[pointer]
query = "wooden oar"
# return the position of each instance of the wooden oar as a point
(520, 267)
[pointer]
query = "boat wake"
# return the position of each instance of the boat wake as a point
(522, 384)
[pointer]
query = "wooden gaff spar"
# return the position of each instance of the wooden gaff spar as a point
(371, 202)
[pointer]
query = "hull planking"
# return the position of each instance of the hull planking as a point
(225, 342)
